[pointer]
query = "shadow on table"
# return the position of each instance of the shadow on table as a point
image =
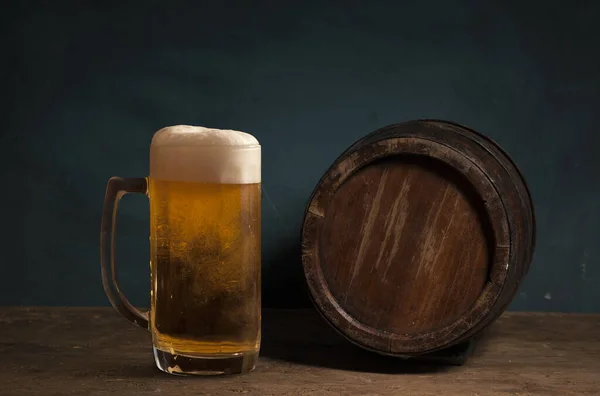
(303, 337)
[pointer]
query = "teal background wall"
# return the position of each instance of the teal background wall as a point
(86, 84)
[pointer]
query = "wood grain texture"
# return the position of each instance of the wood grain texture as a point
(77, 351)
(417, 212)
(417, 237)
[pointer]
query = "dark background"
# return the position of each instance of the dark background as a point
(86, 84)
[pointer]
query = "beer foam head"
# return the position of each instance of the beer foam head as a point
(205, 155)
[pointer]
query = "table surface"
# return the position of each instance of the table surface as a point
(92, 351)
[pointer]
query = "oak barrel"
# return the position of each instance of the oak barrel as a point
(417, 237)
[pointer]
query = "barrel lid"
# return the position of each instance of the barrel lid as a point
(405, 240)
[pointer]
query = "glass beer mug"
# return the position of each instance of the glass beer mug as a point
(205, 224)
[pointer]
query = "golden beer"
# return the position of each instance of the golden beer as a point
(205, 261)
(205, 250)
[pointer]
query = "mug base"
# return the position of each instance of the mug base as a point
(182, 364)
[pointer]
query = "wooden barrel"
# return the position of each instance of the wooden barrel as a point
(417, 237)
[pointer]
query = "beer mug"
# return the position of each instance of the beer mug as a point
(204, 188)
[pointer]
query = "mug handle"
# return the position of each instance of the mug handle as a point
(115, 189)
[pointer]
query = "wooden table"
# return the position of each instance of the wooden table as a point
(78, 351)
